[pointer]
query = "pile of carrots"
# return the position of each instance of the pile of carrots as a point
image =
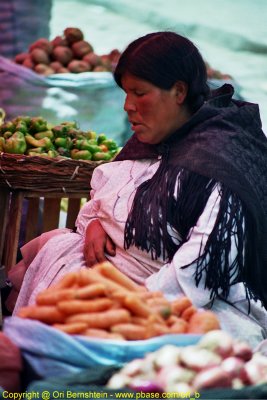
(102, 302)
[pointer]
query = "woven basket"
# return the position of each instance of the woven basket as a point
(45, 174)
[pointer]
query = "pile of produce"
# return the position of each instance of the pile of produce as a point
(64, 54)
(213, 73)
(34, 136)
(216, 361)
(102, 302)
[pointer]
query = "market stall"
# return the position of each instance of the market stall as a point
(96, 331)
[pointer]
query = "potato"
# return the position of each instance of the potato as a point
(56, 65)
(100, 68)
(39, 56)
(105, 61)
(59, 41)
(28, 63)
(77, 66)
(62, 54)
(92, 59)
(43, 69)
(62, 70)
(73, 35)
(114, 55)
(81, 48)
(19, 58)
(43, 44)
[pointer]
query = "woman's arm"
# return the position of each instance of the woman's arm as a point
(174, 280)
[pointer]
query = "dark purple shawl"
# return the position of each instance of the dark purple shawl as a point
(222, 142)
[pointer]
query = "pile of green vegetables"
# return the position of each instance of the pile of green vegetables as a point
(34, 136)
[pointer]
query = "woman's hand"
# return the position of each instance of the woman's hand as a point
(97, 243)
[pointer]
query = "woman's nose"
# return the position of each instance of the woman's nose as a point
(129, 105)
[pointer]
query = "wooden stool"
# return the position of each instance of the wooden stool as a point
(11, 206)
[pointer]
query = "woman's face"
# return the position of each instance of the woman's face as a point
(154, 113)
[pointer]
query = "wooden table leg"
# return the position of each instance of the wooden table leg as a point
(12, 230)
(4, 205)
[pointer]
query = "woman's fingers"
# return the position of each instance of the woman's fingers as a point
(110, 247)
(97, 243)
(94, 253)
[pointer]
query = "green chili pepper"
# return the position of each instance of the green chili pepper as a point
(7, 134)
(52, 153)
(63, 129)
(35, 153)
(2, 143)
(91, 135)
(100, 155)
(22, 118)
(35, 150)
(37, 124)
(41, 135)
(75, 134)
(70, 124)
(45, 142)
(16, 143)
(62, 151)
(7, 127)
(84, 144)
(101, 138)
(63, 142)
(22, 126)
(80, 154)
(110, 143)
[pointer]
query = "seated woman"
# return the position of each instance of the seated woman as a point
(182, 208)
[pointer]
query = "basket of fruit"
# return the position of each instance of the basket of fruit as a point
(36, 155)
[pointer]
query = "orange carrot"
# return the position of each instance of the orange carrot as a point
(73, 328)
(139, 320)
(150, 295)
(179, 326)
(47, 314)
(84, 306)
(102, 333)
(179, 305)
(188, 312)
(158, 301)
(90, 291)
(156, 329)
(52, 297)
(109, 271)
(136, 306)
(67, 281)
(103, 320)
(130, 331)
(89, 276)
(203, 321)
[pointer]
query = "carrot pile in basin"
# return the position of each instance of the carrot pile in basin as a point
(102, 302)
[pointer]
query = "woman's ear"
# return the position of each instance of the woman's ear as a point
(181, 89)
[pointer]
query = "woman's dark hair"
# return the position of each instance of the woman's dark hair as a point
(163, 58)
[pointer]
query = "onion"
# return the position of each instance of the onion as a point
(196, 358)
(256, 369)
(242, 350)
(133, 367)
(234, 366)
(118, 381)
(214, 377)
(167, 355)
(145, 386)
(170, 375)
(218, 341)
